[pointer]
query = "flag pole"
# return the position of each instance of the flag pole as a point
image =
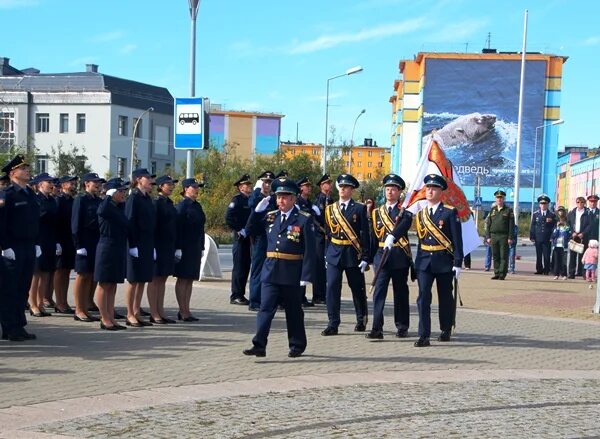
(520, 121)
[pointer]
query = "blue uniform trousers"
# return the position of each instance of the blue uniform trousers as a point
(241, 267)
(488, 256)
(399, 279)
(259, 254)
(16, 281)
(445, 300)
(271, 295)
(319, 289)
(356, 281)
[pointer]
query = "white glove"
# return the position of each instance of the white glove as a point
(243, 232)
(58, 249)
(178, 253)
(38, 251)
(304, 283)
(389, 242)
(363, 266)
(81, 252)
(154, 253)
(110, 192)
(456, 271)
(262, 206)
(9, 254)
(134, 252)
(316, 209)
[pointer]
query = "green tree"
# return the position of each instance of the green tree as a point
(71, 161)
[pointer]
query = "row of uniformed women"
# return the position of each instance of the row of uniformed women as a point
(163, 240)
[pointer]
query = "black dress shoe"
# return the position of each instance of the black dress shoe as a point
(144, 313)
(496, 277)
(444, 336)
(293, 353)
(119, 316)
(157, 321)
(239, 301)
(502, 277)
(318, 302)
(167, 320)
(133, 324)
(39, 313)
(360, 327)
(67, 310)
(307, 304)
(253, 308)
(255, 351)
(85, 319)
(93, 308)
(191, 318)
(144, 323)
(572, 276)
(422, 342)
(374, 335)
(402, 333)
(108, 328)
(538, 272)
(16, 337)
(28, 335)
(329, 331)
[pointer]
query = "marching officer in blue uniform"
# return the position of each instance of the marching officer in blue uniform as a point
(439, 258)
(19, 226)
(236, 218)
(540, 232)
(85, 230)
(322, 200)
(289, 266)
(348, 250)
(259, 241)
(304, 203)
(390, 224)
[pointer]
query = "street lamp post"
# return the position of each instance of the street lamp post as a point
(354, 126)
(556, 122)
(134, 136)
(193, 14)
(350, 71)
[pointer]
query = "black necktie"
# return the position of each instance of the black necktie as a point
(431, 212)
(283, 218)
(343, 208)
(390, 210)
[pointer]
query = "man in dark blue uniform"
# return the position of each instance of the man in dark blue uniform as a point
(236, 218)
(19, 226)
(348, 250)
(540, 232)
(289, 266)
(593, 217)
(305, 205)
(439, 258)
(259, 241)
(389, 227)
(322, 200)
(85, 230)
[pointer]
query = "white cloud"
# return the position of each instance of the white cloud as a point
(128, 48)
(592, 41)
(14, 4)
(457, 32)
(108, 36)
(373, 33)
(81, 62)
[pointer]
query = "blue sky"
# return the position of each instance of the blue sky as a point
(276, 55)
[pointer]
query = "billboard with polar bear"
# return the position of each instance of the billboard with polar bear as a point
(474, 106)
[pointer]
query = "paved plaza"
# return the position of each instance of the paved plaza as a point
(524, 362)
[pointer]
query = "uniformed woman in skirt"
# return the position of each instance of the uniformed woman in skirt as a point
(45, 263)
(111, 253)
(141, 214)
(164, 243)
(190, 244)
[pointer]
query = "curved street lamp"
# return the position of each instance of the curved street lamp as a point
(555, 122)
(354, 126)
(133, 137)
(350, 71)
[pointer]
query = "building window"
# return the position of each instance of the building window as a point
(41, 163)
(167, 167)
(121, 166)
(152, 167)
(369, 164)
(369, 175)
(122, 125)
(380, 165)
(7, 131)
(359, 176)
(359, 164)
(42, 123)
(315, 151)
(347, 164)
(370, 153)
(359, 153)
(80, 123)
(63, 125)
(137, 127)
(347, 152)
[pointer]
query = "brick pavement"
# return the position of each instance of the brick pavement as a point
(74, 360)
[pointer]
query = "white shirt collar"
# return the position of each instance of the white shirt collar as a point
(287, 214)
(434, 207)
(388, 205)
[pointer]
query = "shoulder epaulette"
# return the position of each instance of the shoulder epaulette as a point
(448, 206)
(273, 212)
(301, 212)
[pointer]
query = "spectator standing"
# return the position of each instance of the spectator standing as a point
(590, 261)
(578, 220)
(560, 239)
